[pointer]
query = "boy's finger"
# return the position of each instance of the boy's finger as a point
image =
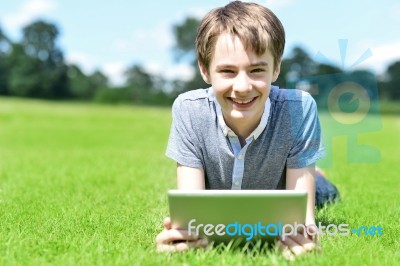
(295, 247)
(165, 248)
(303, 241)
(200, 243)
(286, 253)
(182, 246)
(171, 235)
(314, 234)
(167, 223)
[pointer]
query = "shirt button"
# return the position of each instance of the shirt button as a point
(240, 157)
(237, 183)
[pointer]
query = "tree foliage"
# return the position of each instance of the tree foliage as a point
(84, 86)
(392, 85)
(5, 46)
(35, 67)
(185, 37)
(37, 64)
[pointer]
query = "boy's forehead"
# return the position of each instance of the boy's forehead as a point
(228, 41)
(229, 46)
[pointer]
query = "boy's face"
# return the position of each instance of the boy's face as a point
(241, 80)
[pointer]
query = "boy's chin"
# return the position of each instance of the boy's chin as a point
(244, 115)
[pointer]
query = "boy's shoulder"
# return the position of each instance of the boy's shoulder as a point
(293, 99)
(194, 95)
(281, 95)
(198, 102)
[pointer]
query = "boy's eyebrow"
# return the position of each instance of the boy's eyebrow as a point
(256, 64)
(261, 63)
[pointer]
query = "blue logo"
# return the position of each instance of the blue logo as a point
(279, 229)
(351, 99)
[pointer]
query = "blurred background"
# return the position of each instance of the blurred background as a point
(85, 183)
(142, 52)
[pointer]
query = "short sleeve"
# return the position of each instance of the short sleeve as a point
(182, 146)
(308, 146)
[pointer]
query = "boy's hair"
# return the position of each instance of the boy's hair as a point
(255, 25)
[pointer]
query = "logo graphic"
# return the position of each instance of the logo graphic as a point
(249, 231)
(358, 104)
(351, 101)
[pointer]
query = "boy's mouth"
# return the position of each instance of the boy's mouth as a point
(242, 102)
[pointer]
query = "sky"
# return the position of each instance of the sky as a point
(113, 35)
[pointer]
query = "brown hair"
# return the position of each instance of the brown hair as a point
(255, 25)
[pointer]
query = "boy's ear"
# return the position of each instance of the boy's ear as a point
(204, 73)
(277, 70)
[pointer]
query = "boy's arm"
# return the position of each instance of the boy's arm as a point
(303, 179)
(190, 178)
(175, 239)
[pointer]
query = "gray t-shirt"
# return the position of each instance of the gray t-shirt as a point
(292, 138)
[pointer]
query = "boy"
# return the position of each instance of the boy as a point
(243, 133)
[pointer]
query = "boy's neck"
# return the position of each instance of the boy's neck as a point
(243, 129)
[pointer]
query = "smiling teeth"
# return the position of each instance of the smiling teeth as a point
(242, 101)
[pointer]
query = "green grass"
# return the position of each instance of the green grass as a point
(86, 185)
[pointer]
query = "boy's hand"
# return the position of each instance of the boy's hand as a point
(299, 244)
(172, 240)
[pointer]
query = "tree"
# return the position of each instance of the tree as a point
(324, 69)
(79, 83)
(37, 64)
(138, 77)
(140, 83)
(392, 86)
(141, 87)
(185, 37)
(298, 66)
(5, 47)
(98, 80)
(82, 86)
(144, 87)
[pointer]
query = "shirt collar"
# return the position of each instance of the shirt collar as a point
(259, 129)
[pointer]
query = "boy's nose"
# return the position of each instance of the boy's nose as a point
(241, 83)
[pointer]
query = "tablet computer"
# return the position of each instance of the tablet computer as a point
(240, 215)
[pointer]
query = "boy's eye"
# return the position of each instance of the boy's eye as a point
(257, 70)
(226, 71)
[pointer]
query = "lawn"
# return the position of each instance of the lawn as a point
(86, 185)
